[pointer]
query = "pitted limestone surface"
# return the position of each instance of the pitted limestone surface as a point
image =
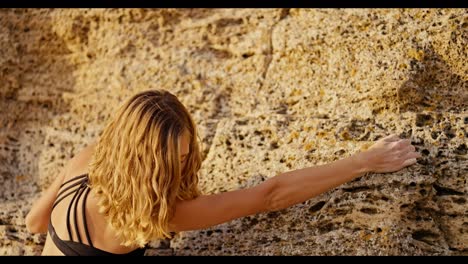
(271, 90)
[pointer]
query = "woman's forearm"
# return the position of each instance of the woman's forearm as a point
(388, 154)
(300, 185)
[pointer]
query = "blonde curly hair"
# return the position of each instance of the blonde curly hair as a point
(136, 171)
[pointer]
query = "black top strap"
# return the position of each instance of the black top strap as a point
(84, 218)
(77, 231)
(80, 182)
(60, 196)
(68, 215)
(74, 179)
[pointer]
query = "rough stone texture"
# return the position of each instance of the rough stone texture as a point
(271, 90)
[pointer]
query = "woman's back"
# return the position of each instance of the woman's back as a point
(75, 212)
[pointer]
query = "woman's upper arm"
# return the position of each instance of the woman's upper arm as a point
(39, 215)
(209, 210)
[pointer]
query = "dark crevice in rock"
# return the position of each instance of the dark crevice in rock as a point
(284, 13)
(316, 207)
(461, 150)
(429, 88)
(269, 51)
(441, 191)
(357, 189)
(221, 111)
(425, 236)
(368, 210)
(208, 140)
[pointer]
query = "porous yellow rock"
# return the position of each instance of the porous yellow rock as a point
(271, 90)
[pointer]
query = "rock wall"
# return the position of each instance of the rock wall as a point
(271, 90)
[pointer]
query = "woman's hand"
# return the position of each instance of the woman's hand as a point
(389, 154)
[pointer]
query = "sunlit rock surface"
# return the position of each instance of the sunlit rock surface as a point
(271, 90)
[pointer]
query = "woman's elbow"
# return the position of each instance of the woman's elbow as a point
(30, 226)
(33, 226)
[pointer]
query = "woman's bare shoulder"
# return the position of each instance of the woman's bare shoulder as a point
(78, 165)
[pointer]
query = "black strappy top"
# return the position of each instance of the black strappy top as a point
(78, 186)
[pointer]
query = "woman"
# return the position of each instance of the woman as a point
(139, 183)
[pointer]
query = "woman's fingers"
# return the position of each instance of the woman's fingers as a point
(409, 159)
(412, 155)
(409, 162)
(391, 138)
(403, 143)
(410, 148)
(406, 150)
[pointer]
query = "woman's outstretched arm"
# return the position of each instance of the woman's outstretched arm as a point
(386, 155)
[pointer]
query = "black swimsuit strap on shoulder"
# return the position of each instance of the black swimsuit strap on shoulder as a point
(78, 186)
